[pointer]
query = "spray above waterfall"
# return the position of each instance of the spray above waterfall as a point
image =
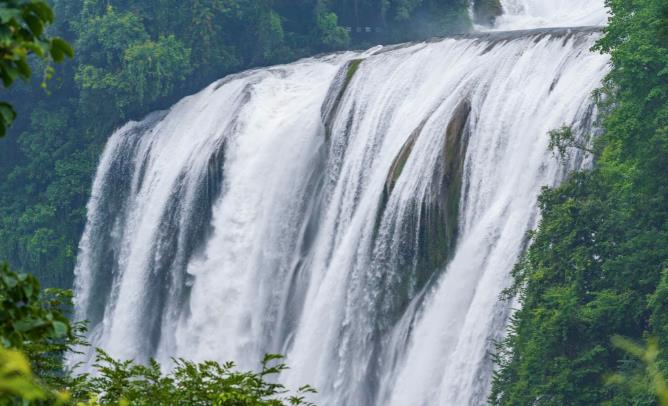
(523, 14)
(359, 212)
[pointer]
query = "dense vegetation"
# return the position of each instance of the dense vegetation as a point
(598, 264)
(136, 56)
(35, 326)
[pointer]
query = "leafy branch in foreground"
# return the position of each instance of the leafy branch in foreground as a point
(563, 140)
(18, 382)
(29, 316)
(188, 383)
(648, 355)
(22, 33)
(125, 382)
(35, 335)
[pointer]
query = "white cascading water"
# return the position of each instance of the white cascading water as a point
(305, 210)
(523, 14)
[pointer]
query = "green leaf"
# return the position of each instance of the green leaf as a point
(57, 54)
(7, 14)
(7, 113)
(7, 116)
(62, 48)
(9, 75)
(60, 328)
(23, 68)
(29, 324)
(42, 10)
(36, 25)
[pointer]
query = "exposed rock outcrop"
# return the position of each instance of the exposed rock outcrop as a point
(434, 222)
(486, 11)
(336, 92)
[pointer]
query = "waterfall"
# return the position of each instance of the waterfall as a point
(359, 212)
(521, 14)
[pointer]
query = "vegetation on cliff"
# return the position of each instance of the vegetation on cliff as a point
(598, 263)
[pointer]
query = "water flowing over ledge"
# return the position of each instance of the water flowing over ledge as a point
(359, 212)
(522, 14)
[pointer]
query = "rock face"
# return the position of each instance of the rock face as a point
(486, 11)
(439, 222)
(436, 217)
(400, 160)
(336, 91)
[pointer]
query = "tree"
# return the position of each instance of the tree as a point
(120, 63)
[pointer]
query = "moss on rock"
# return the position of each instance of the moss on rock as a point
(353, 66)
(336, 92)
(435, 219)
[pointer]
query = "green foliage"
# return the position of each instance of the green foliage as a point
(126, 383)
(17, 380)
(152, 68)
(188, 383)
(333, 36)
(652, 381)
(22, 33)
(563, 140)
(33, 323)
(597, 264)
(35, 334)
(25, 316)
(42, 201)
(352, 69)
(126, 68)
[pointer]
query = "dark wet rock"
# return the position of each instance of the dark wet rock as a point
(486, 11)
